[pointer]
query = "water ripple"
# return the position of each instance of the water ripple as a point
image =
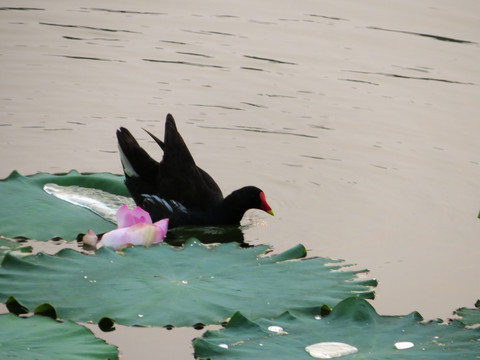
(219, 106)
(173, 42)
(409, 77)
(208, 32)
(269, 60)
(255, 105)
(21, 9)
(360, 81)
(94, 39)
(436, 37)
(88, 28)
(258, 130)
(250, 68)
(128, 11)
(184, 63)
(327, 17)
(193, 54)
(87, 58)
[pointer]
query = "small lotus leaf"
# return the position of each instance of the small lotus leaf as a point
(27, 210)
(42, 338)
(353, 322)
(163, 285)
(470, 316)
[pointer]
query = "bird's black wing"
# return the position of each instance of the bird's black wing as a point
(179, 178)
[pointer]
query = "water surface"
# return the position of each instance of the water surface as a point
(359, 120)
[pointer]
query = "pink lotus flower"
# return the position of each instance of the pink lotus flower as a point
(127, 217)
(134, 228)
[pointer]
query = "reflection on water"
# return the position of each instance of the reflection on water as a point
(217, 234)
(207, 235)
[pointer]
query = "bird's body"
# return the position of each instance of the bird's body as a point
(176, 188)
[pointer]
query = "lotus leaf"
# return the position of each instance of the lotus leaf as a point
(353, 322)
(163, 285)
(7, 245)
(28, 211)
(40, 337)
(470, 316)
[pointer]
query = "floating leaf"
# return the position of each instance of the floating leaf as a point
(27, 210)
(470, 316)
(7, 245)
(40, 337)
(163, 285)
(352, 325)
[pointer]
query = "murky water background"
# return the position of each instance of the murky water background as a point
(359, 119)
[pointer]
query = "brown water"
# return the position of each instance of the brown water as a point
(359, 119)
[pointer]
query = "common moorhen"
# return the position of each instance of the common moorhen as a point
(176, 188)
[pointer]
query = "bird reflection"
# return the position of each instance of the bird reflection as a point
(206, 235)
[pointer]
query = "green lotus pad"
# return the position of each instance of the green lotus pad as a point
(27, 210)
(354, 323)
(470, 316)
(39, 337)
(163, 285)
(7, 245)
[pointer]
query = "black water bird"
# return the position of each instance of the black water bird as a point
(176, 188)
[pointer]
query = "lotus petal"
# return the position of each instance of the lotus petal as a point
(162, 225)
(138, 234)
(127, 217)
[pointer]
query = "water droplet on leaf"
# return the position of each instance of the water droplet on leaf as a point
(277, 329)
(402, 345)
(328, 350)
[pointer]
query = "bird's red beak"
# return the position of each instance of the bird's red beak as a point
(264, 205)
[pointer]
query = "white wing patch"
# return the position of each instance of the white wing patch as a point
(127, 166)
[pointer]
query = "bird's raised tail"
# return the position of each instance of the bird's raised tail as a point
(135, 161)
(139, 168)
